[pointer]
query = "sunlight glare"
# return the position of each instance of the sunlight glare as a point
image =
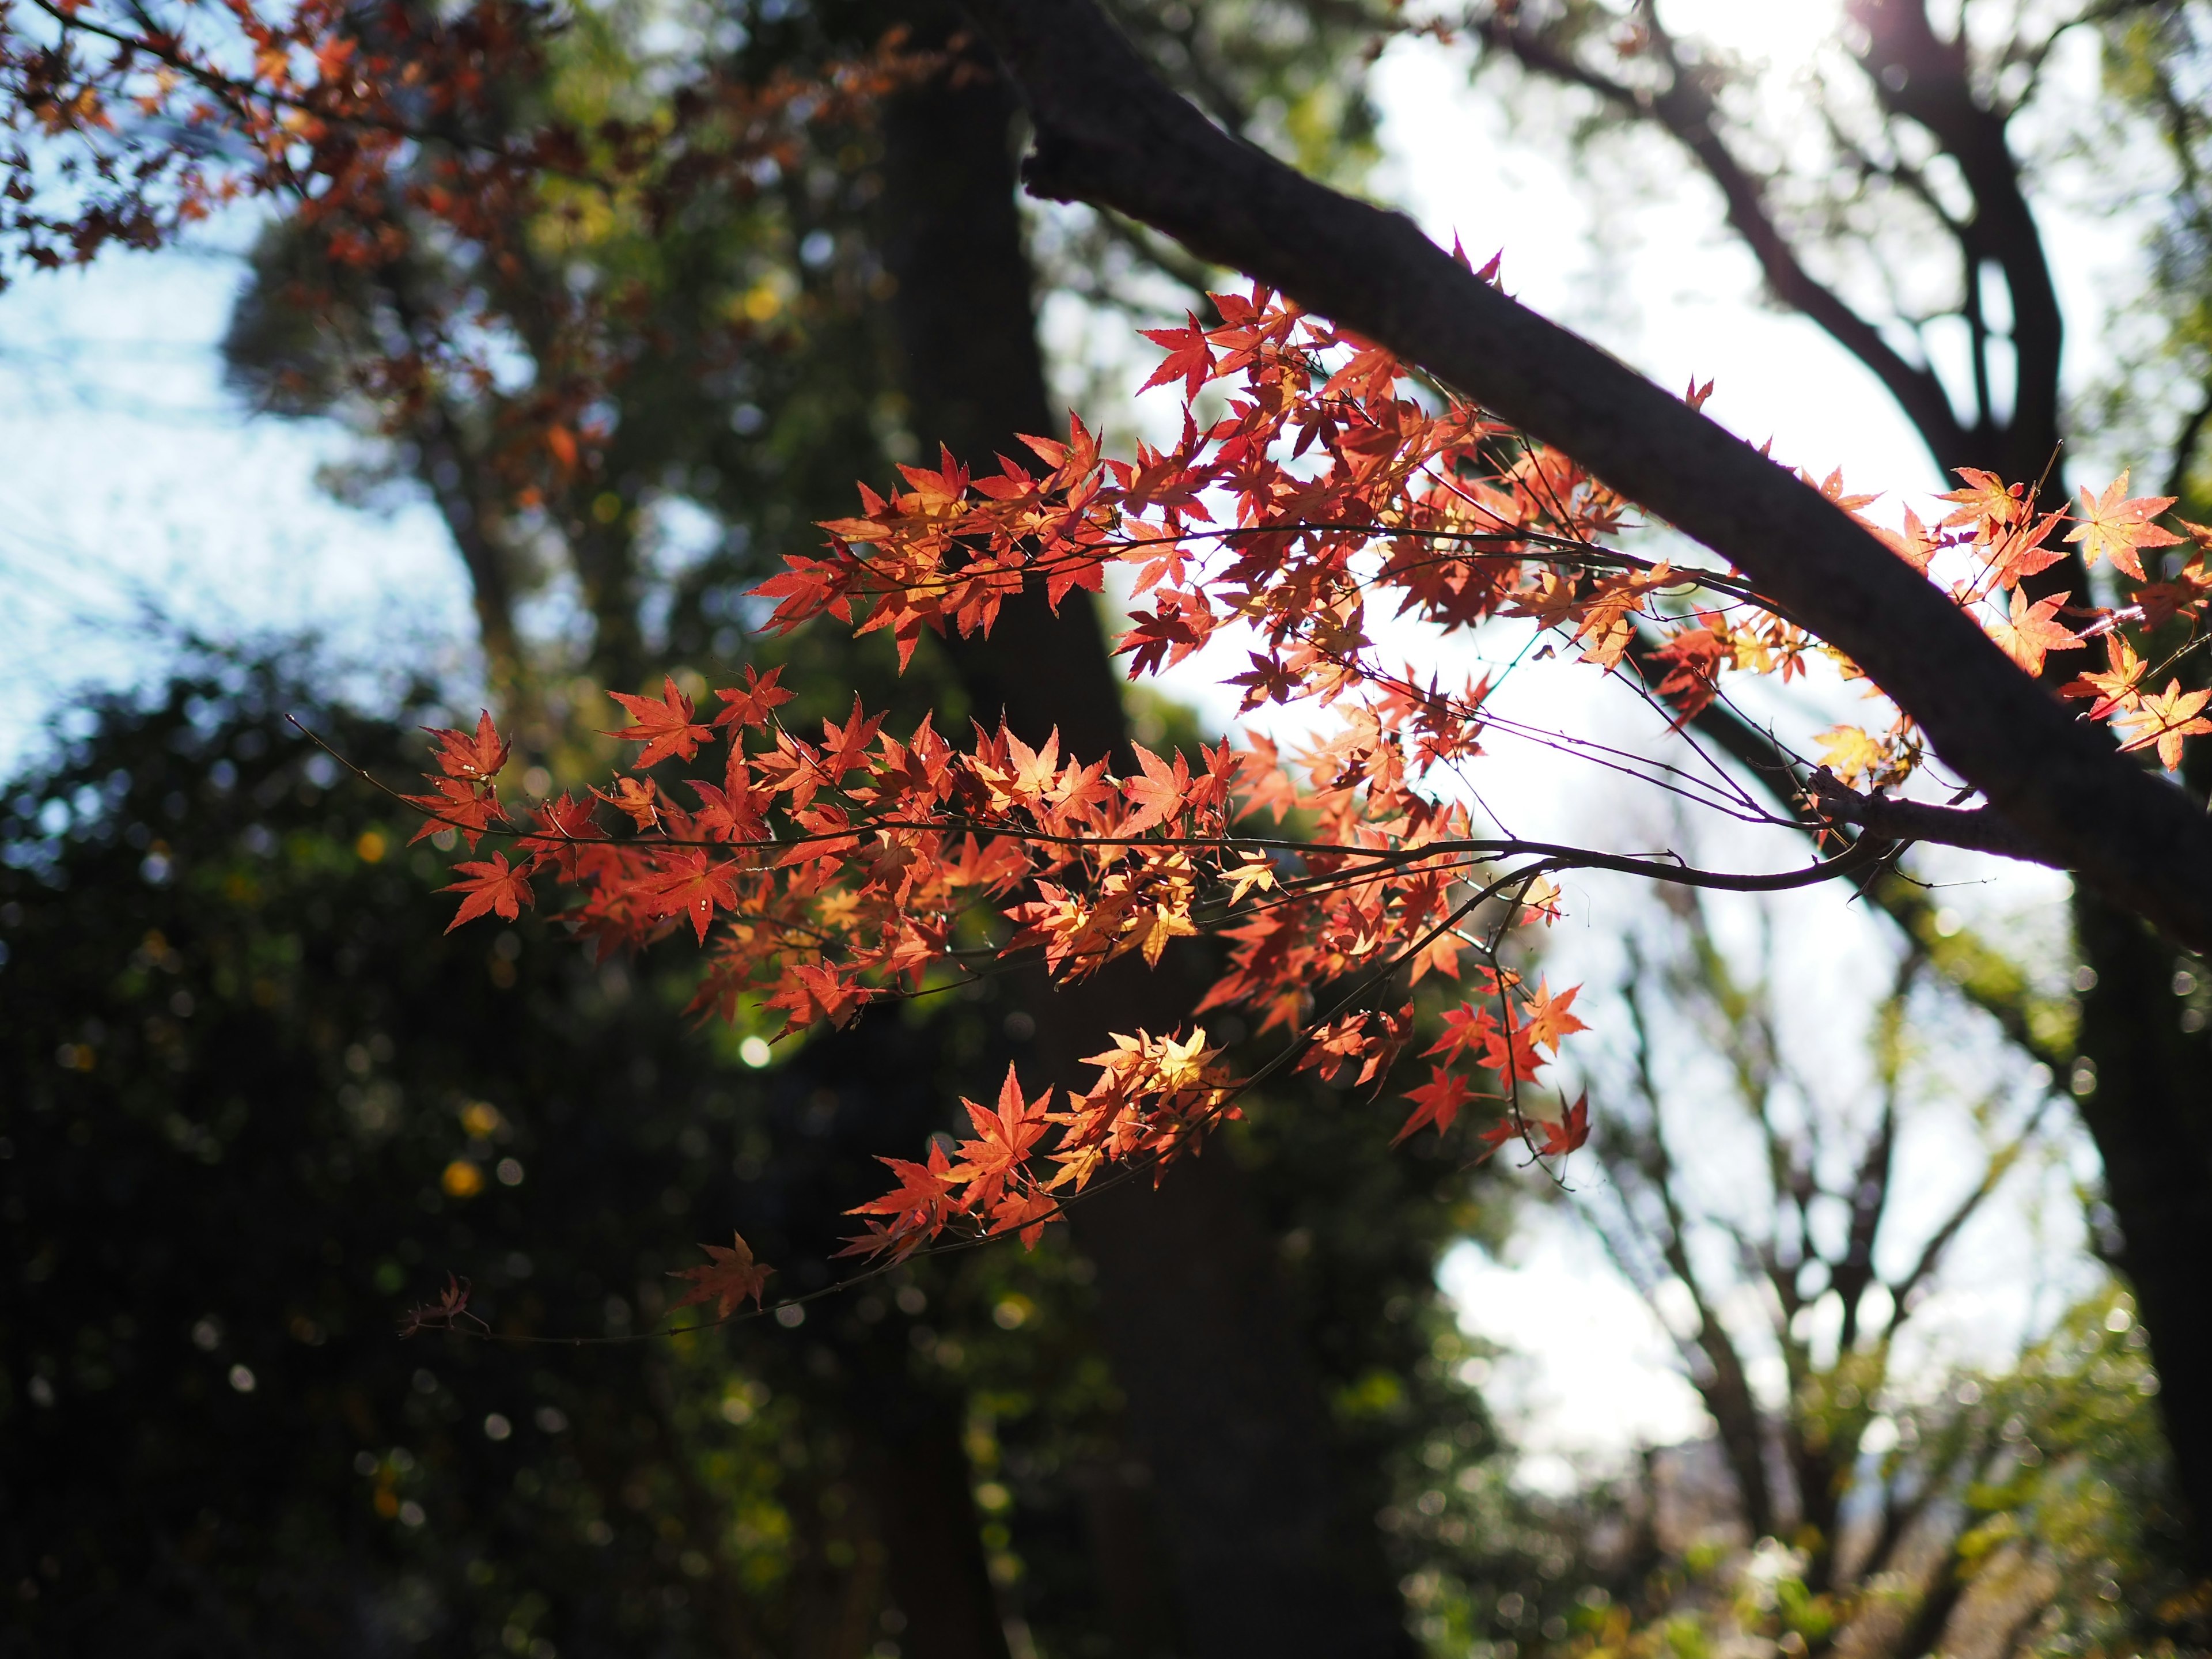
(1782, 33)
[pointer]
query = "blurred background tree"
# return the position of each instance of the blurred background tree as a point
(1896, 190)
(1892, 1509)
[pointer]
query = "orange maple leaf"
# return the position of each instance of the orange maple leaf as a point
(638, 799)
(2166, 719)
(2114, 690)
(1549, 1021)
(1158, 794)
(1913, 544)
(2031, 630)
(2111, 526)
(1987, 503)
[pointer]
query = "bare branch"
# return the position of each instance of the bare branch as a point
(1685, 110)
(1977, 829)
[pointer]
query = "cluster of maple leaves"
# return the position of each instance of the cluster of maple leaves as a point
(1321, 490)
(158, 125)
(134, 127)
(382, 126)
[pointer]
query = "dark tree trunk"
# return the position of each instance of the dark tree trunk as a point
(1223, 1402)
(916, 1466)
(2150, 1112)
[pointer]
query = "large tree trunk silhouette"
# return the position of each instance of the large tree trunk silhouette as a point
(1222, 1399)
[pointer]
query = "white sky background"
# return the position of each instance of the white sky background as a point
(131, 482)
(1661, 283)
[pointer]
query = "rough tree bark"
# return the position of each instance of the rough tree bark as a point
(1223, 1399)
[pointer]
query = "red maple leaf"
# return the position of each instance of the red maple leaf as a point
(1568, 1134)
(1437, 1102)
(916, 1210)
(490, 885)
(456, 804)
(1465, 1028)
(477, 757)
(1188, 359)
(664, 726)
(751, 703)
(845, 747)
(731, 1277)
(693, 886)
(1005, 1140)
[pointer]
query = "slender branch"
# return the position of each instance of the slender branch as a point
(2000, 1165)
(1685, 110)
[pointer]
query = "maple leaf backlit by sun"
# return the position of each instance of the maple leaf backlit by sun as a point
(2166, 719)
(2111, 526)
(664, 726)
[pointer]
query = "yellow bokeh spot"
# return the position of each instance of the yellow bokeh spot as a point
(763, 303)
(607, 508)
(370, 848)
(480, 1118)
(462, 1179)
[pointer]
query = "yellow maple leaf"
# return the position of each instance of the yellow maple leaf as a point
(1851, 754)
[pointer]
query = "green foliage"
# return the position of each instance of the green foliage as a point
(2049, 1528)
(2079, 1477)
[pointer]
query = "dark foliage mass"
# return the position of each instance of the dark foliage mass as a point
(242, 1075)
(255, 1105)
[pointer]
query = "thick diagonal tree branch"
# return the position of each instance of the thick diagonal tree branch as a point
(1109, 132)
